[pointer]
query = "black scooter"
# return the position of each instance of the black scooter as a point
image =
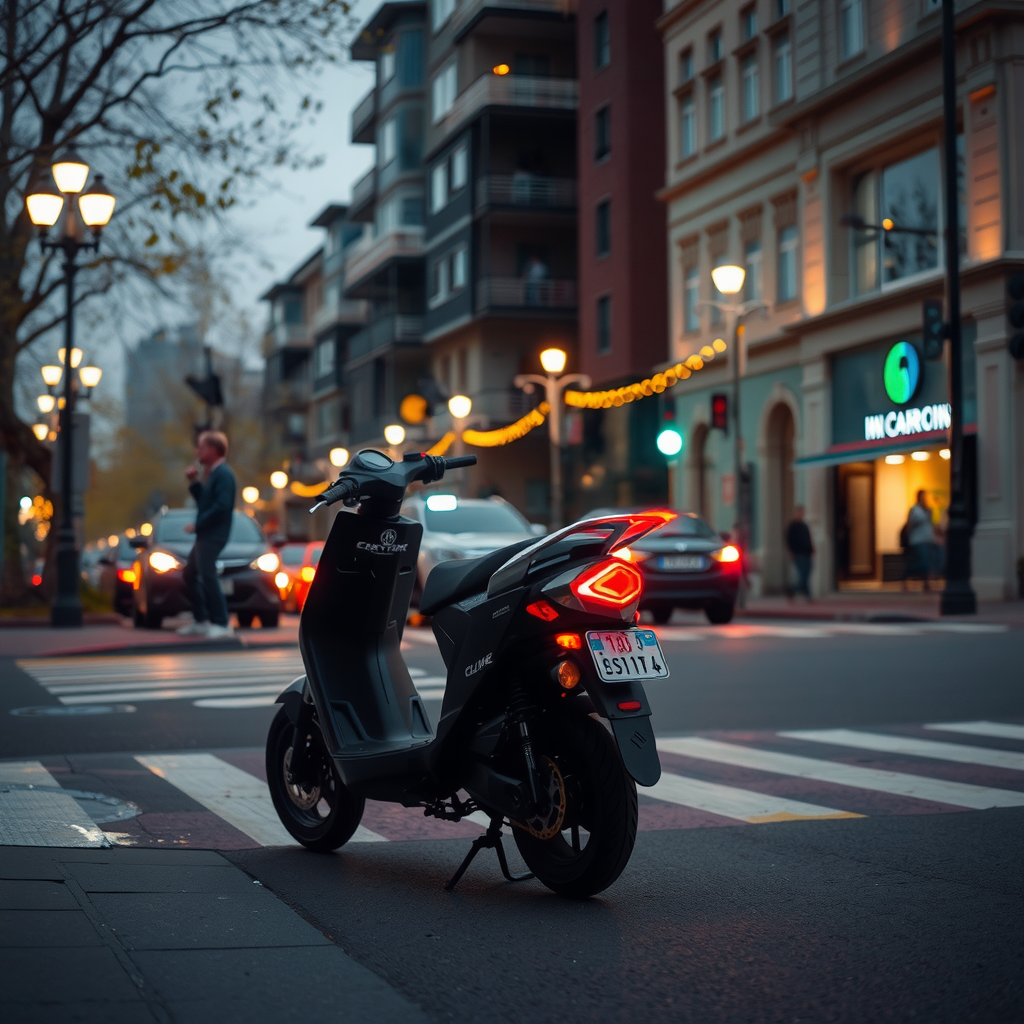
(540, 643)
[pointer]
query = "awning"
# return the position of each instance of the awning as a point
(869, 453)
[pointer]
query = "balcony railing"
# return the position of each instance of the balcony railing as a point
(363, 191)
(372, 252)
(517, 293)
(467, 10)
(389, 329)
(530, 191)
(512, 91)
(362, 117)
(285, 336)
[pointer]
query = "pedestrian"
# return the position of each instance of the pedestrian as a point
(921, 547)
(801, 549)
(215, 506)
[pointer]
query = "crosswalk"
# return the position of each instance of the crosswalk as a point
(219, 800)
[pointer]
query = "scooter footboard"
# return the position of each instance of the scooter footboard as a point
(626, 707)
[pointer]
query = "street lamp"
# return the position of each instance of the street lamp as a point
(279, 479)
(552, 360)
(459, 408)
(338, 457)
(95, 208)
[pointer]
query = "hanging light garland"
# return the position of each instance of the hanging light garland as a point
(442, 446)
(513, 432)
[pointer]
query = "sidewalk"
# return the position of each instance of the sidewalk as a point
(123, 935)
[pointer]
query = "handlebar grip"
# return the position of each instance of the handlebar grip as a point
(337, 491)
(459, 461)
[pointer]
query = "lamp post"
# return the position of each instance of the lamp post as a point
(95, 207)
(552, 361)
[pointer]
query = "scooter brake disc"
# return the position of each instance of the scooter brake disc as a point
(548, 820)
(304, 797)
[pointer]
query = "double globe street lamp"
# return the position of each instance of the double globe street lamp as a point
(95, 207)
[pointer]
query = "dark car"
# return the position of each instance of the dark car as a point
(685, 564)
(246, 567)
(117, 575)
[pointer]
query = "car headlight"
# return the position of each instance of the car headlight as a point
(282, 580)
(268, 562)
(163, 561)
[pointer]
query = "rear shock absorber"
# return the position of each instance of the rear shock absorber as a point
(519, 709)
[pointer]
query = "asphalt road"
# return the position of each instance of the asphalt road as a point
(910, 914)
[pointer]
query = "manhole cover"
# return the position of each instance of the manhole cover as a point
(97, 805)
(74, 709)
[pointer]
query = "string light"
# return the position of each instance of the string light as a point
(513, 432)
(443, 445)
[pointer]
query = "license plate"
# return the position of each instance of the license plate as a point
(687, 563)
(227, 587)
(627, 654)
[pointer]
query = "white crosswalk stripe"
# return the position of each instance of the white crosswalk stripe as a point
(998, 730)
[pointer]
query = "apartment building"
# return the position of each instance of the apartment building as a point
(623, 281)
(784, 122)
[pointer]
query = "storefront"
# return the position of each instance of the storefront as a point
(890, 420)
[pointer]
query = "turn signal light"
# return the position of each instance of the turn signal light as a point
(730, 553)
(307, 572)
(609, 584)
(570, 641)
(126, 575)
(542, 610)
(568, 674)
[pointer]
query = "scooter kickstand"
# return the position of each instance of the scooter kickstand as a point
(491, 839)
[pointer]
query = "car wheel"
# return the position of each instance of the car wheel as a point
(720, 612)
(661, 613)
(269, 620)
(245, 620)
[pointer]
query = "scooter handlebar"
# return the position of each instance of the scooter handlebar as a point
(459, 461)
(336, 492)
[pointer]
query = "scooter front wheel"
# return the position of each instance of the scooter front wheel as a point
(596, 833)
(318, 809)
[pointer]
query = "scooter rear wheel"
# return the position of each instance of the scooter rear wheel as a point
(319, 811)
(598, 831)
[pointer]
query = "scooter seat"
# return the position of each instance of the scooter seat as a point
(452, 581)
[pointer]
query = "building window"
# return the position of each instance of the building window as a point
(460, 168)
(443, 92)
(440, 281)
(751, 94)
(687, 127)
(602, 42)
(691, 300)
(715, 46)
(440, 12)
(602, 133)
(851, 27)
(787, 264)
(460, 268)
(388, 141)
(781, 8)
(685, 67)
(748, 23)
(324, 359)
(439, 187)
(326, 419)
(716, 109)
(783, 68)
(387, 64)
(604, 325)
(603, 226)
(752, 265)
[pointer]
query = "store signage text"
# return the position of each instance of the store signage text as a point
(907, 421)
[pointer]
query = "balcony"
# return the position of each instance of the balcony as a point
(363, 117)
(526, 192)
(511, 91)
(468, 10)
(399, 327)
(372, 253)
(280, 336)
(286, 394)
(516, 293)
(363, 192)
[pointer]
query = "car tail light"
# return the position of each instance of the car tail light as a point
(630, 554)
(730, 553)
(612, 583)
(307, 572)
(126, 575)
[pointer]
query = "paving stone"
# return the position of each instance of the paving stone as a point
(129, 855)
(25, 929)
(30, 894)
(63, 974)
(196, 878)
(76, 1012)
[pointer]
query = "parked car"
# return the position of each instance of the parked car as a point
(117, 575)
(246, 567)
(456, 527)
(298, 567)
(685, 564)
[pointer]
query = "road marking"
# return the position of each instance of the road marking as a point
(824, 630)
(743, 804)
(35, 811)
(999, 730)
(236, 796)
(919, 787)
(933, 749)
(178, 693)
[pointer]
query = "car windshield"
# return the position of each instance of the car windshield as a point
(476, 519)
(292, 554)
(314, 555)
(170, 529)
(687, 525)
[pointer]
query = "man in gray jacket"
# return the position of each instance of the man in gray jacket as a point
(215, 506)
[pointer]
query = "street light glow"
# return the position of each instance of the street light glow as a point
(76, 357)
(44, 206)
(71, 173)
(279, 479)
(670, 442)
(728, 279)
(394, 433)
(460, 406)
(41, 430)
(46, 403)
(96, 205)
(146, 529)
(250, 495)
(553, 360)
(51, 375)
(90, 375)
(338, 457)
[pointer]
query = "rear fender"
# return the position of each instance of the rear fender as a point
(291, 699)
(631, 729)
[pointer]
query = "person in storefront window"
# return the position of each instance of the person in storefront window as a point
(921, 545)
(801, 550)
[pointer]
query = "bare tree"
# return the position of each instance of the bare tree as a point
(178, 102)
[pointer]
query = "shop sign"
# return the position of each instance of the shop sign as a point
(906, 421)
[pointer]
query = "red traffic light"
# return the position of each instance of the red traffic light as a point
(720, 412)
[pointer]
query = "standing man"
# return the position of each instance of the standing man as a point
(215, 506)
(920, 540)
(801, 549)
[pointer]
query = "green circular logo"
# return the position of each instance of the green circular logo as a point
(902, 372)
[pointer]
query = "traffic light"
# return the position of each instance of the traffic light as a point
(1016, 316)
(935, 329)
(720, 412)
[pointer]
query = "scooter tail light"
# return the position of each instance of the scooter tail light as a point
(570, 641)
(612, 583)
(567, 674)
(542, 610)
